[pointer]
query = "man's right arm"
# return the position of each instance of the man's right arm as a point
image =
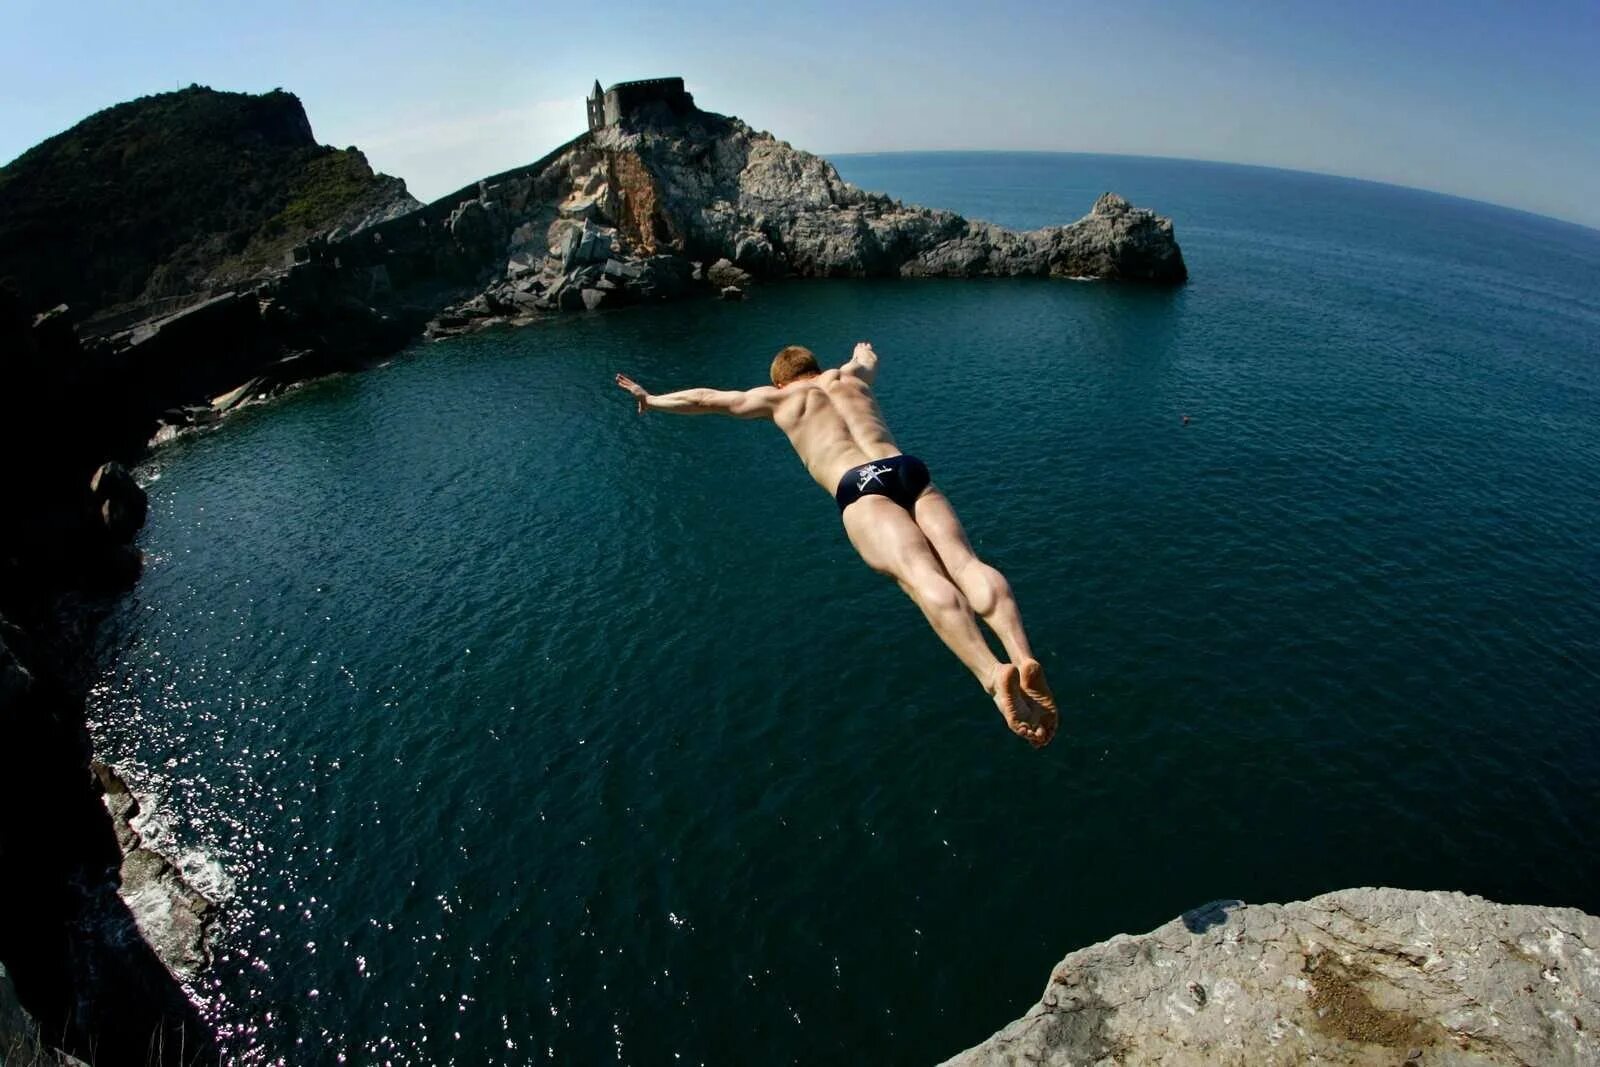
(863, 363)
(750, 404)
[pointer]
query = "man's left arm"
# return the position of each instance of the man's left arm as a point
(748, 404)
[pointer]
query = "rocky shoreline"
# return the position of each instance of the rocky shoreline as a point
(1356, 977)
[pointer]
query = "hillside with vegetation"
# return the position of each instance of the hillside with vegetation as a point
(176, 194)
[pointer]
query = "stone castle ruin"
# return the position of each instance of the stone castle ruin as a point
(624, 100)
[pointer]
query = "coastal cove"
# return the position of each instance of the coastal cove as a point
(207, 301)
(522, 726)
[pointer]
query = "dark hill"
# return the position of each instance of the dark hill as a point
(174, 194)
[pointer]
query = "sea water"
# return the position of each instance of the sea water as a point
(525, 728)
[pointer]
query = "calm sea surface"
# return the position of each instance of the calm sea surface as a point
(521, 728)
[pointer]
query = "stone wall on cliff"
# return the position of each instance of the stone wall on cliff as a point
(1353, 978)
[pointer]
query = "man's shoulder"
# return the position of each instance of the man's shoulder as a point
(767, 394)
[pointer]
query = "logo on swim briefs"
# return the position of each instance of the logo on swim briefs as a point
(871, 474)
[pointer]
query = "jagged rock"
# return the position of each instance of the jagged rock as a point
(584, 245)
(1356, 977)
(469, 225)
(631, 270)
(594, 298)
(753, 252)
(724, 274)
(174, 918)
(582, 205)
(570, 298)
(732, 292)
(118, 500)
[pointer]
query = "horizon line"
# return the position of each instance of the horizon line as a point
(1592, 229)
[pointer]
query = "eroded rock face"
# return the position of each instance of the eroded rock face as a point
(1361, 976)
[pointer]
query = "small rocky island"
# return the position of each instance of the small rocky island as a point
(659, 196)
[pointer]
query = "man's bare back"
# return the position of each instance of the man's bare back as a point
(897, 520)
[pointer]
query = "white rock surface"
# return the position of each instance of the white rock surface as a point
(1357, 977)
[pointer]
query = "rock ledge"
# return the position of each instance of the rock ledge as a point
(1360, 976)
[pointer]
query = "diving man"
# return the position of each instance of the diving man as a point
(899, 522)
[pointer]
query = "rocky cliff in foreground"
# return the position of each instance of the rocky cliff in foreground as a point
(1361, 976)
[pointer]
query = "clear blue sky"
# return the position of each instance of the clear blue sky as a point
(1495, 101)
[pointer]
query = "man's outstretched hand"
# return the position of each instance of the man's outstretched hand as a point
(633, 387)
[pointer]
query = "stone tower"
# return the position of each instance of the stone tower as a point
(626, 99)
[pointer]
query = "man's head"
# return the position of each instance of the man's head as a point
(793, 363)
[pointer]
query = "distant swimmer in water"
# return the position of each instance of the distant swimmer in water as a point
(899, 522)
(1186, 420)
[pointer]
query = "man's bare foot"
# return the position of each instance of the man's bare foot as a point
(1038, 690)
(1027, 718)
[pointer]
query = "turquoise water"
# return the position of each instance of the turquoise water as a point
(525, 728)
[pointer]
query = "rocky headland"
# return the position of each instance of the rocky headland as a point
(1380, 977)
(140, 207)
(670, 203)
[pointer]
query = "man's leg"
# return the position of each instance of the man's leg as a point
(984, 587)
(891, 543)
(988, 592)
